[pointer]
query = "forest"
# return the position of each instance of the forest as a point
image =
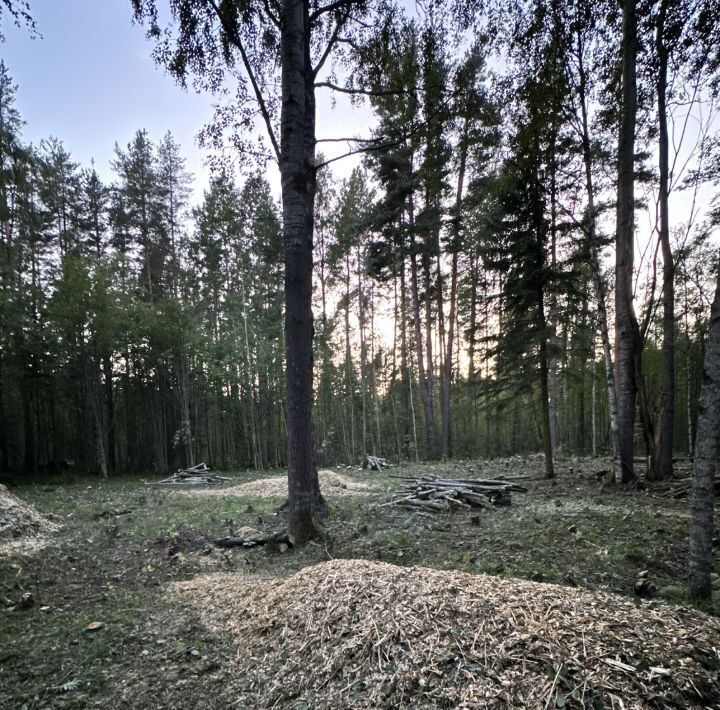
(439, 401)
(457, 276)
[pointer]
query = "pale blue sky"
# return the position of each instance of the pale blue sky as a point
(90, 81)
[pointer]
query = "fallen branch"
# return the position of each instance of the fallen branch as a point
(375, 463)
(194, 476)
(280, 540)
(442, 494)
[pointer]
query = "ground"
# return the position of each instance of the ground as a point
(124, 550)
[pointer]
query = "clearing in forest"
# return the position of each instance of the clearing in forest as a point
(134, 604)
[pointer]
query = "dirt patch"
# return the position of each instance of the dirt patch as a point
(332, 484)
(22, 527)
(364, 634)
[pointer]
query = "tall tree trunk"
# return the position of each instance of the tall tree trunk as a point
(4, 435)
(110, 405)
(30, 458)
(183, 384)
(706, 463)
(593, 415)
(688, 383)
(423, 376)
(363, 352)
(250, 380)
(428, 383)
(452, 316)
(349, 388)
(297, 173)
(95, 394)
(599, 285)
(544, 389)
(626, 326)
(663, 469)
(552, 315)
(406, 376)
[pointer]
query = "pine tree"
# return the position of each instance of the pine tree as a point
(142, 210)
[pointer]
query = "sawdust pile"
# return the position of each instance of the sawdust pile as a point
(361, 634)
(20, 522)
(331, 484)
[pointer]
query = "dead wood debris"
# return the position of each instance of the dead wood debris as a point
(195, 476)
(375, 463)
(442, 494)
(247, 537)
(361, 634)
(677, 488)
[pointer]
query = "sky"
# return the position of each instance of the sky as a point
(90, 81)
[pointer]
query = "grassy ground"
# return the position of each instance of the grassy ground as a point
(123, 543)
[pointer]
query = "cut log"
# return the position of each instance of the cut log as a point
(279, 540)
(441, 494)
(196, 476)
(375, 463)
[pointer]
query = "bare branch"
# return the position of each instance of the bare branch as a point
(357, 151)
(270, 14)
(332, 6)
(362, 92)
(347, 140)
(330, 44)
(233, 36)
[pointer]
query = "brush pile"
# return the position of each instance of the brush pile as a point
(442, 494)
(678, 488)
(360, 634)
(375, 463)
(195, 476)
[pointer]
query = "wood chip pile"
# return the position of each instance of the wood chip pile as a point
(199, 475)
(331, 484)
(443, 494)
(19, 519)
(360, 634)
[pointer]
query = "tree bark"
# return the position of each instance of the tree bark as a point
(363, 351)
(599, 286)
(544, 380)
(626, 327)
(706, 462)
(297, 173)
(423, 376)
(553, 310)
(452, 316)
(110, 405)
(663, 467)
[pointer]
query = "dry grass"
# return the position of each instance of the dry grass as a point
(332, 484)
(360, 634)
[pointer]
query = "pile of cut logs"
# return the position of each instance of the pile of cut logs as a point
(442, 494)
(375, 463)
(193, 476)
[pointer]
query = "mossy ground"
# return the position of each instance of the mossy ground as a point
(122, 543)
